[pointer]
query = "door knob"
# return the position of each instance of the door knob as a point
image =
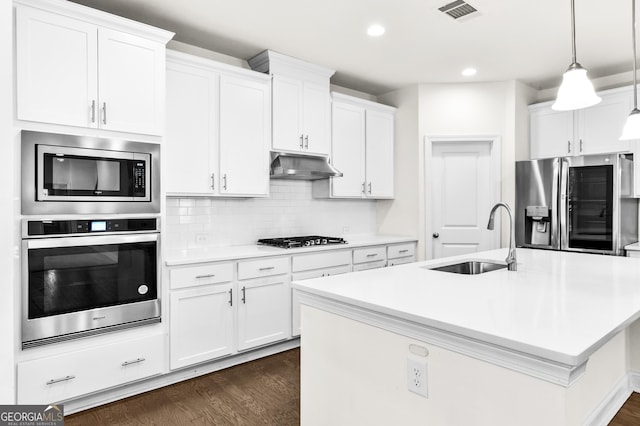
(436, 235)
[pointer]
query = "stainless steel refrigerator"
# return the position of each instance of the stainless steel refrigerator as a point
(579, 203)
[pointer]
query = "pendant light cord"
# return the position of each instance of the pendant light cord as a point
(633, 32)
(573, 32)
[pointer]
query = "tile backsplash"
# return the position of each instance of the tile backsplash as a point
(290, 210)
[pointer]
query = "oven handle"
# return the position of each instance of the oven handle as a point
(92, 240)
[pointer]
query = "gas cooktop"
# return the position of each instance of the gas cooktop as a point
(307, 241)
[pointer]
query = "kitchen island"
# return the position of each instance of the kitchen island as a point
(552, 343)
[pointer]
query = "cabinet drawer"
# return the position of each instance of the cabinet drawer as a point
(401, 250)
(317, 273)
(401, 260)
(61, 377)
(369, 265)
(369, 254)
(263, 267)
(328, 259)
(201, 275)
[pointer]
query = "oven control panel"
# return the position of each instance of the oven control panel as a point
(36, 228)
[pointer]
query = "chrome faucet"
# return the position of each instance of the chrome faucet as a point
(511, 257)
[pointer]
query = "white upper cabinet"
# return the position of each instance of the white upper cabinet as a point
(361, 148)
(379, 152)
(348, 131)
(244, 136)
(301, 103)
(191, 141)
(218, 128)
(80, 67)
(593, 130)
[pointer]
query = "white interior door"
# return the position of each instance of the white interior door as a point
(463, 190)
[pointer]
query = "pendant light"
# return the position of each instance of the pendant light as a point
(631, 128)
(576, 91)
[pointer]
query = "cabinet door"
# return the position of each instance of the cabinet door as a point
(551, 133)
(379, 154)
(315, 122)
(287, 113)
(244, 136)
(201, 324)
(131, 83)
(348, 150)
(190, 141)
(600, 126)
(56, 63)
(295, 303)
(264, 311)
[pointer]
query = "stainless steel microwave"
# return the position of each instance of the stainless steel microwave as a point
(65, 174)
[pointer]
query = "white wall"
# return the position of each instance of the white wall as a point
(8, 324)
(290, 210)
(401, 215)
(451, 110)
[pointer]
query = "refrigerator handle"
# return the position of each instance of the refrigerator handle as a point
(563, 201)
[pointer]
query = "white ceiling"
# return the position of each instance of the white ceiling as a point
(528, 40)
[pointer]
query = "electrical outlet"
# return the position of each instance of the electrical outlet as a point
(201, 239)
(417, 376)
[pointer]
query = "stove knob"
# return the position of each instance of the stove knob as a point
(308, 243)
(318, 241)
(324, 241)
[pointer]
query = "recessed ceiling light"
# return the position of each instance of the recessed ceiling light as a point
(468, 72)
(375, 30)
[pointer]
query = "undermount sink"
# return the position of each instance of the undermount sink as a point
(469, 267)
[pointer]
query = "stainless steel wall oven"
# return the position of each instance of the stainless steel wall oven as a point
(90, 236)
(87, 276)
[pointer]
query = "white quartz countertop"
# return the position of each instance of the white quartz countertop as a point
(559, 306)
(216, 254)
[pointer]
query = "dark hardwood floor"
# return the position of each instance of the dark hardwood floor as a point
(629, 414)
(262, 392)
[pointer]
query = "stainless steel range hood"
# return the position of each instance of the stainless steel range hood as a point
(286, 165)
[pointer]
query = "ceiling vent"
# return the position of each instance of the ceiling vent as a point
(458, 9)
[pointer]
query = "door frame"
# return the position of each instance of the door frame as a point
(496, 167)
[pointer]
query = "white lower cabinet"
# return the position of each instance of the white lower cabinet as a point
(399, 254)
(61, 377)
(263, 311)
(369, 258)
(223, 308)
(201, 324)
(316, 265)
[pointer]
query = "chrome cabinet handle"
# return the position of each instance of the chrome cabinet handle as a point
(230, 297)
(213, 181)
(63, 379)
(224, 181)
(104, 113)
(135, 361)
(372, 255)
(93, 111)
(369, 188)
(267, 268)
(363, 187)
(306, 141)
(205, 276)
(403, 251)
(244, 295)
(569, 147)
(580, 145)
(436, 235)
(301, 142)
